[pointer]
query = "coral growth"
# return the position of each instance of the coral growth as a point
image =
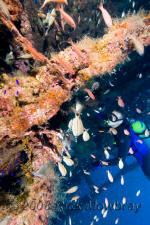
(37, 97)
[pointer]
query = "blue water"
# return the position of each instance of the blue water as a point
(90, 204)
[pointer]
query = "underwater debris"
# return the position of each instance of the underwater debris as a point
(124, 200)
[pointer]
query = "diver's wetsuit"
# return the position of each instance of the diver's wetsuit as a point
(140, 147)
(122, 142)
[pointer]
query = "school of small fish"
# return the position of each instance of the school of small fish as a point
(76, 124)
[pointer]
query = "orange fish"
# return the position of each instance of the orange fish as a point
(75, 198)
(76, 49)
(101, 131)
(64, 64)
(41, 15)
(58, 1)
(104, 188)
(126, 132)
(138, 110)
(131, 151)
(140, 141)
(66, 16)
(105, 163)
(89, 93)
(106, 16)
(93, 156)
(120, 102)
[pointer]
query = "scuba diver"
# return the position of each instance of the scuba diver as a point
(132, 138)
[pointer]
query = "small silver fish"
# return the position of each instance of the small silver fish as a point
(147, 133)
(106, 202)
(105, 214)
(70, 174)
(24, 56)
(68, 161)
(124, 200)
(96, 111)
(96, 189)
(120, 164)
(70, 222)
(106, 153)
(95, 86)
(123, 14)
(133, 4)
(106, 92)
(138, 193)
(96, 218)
(110, 177)
(116, 221)
(62, 169)
(86, 172)
(122, 180)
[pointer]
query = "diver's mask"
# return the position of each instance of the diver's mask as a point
(115, 119)
(139, 128)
